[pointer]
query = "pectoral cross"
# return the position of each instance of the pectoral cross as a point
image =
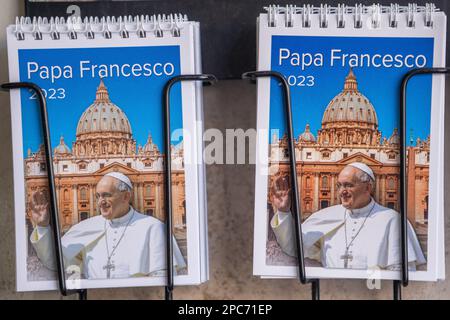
(109, 266)
(346, 257)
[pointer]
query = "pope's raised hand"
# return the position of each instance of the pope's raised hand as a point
(280, 194)
(39, 209)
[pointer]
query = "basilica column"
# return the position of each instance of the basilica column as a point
(141, 198)
(91, 201)
(159, 198)
(135, 193)
(299, 187)
(333, 184)
(174, 200)
(316, 192)
(179, 210)
(75, 204)
(383, 191)
(157, 201)
(58, 196)
(411, 187)
(377, 193)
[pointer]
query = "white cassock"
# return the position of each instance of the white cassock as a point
(87, 245)
(335, 235)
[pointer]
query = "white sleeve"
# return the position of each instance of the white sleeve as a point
(158, 252)
(283, 227)
(42, 240)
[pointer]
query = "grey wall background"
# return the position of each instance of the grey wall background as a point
(229, 104)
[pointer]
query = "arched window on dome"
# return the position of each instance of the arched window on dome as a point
(94, 124)
(369, 115)
(114, 124)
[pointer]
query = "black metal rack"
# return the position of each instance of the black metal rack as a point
(315, 283)
(206, 78)
(403, 189)
(54, 217)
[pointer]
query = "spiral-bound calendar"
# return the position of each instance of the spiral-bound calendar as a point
(344, 66)
(103, 80)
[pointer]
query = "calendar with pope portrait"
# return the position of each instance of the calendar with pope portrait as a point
(106, 131)
(344, 94)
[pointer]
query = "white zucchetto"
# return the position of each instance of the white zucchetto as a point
(363, 167)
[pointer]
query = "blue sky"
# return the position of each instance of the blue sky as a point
(380, 85)
(139, 97)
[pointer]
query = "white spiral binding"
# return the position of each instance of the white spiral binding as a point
(357, 16)
(393, 15)
(306, 16)
(340, 16)
(375, 13)
(289, 16)
(323, 15)
(376, 16)
(92, 27)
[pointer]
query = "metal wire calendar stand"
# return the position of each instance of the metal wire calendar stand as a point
(404, 281)
(54, 217)
(315, 283)
(207, 79)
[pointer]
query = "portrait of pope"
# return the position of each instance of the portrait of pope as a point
(358, 233)
(120, 242)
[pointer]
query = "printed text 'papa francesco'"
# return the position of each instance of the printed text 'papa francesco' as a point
(88, 69)
(338, 57)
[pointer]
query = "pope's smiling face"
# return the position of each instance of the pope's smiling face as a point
(111, 202)
(353, 193)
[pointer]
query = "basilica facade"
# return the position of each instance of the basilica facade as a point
(104, 143)
(349, 133)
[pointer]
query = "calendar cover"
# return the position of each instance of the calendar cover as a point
(105, 112)
(345, 90)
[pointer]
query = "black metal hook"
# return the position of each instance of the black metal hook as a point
(54, 218)
(253, 75)
(403, 190)
(207, 78)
